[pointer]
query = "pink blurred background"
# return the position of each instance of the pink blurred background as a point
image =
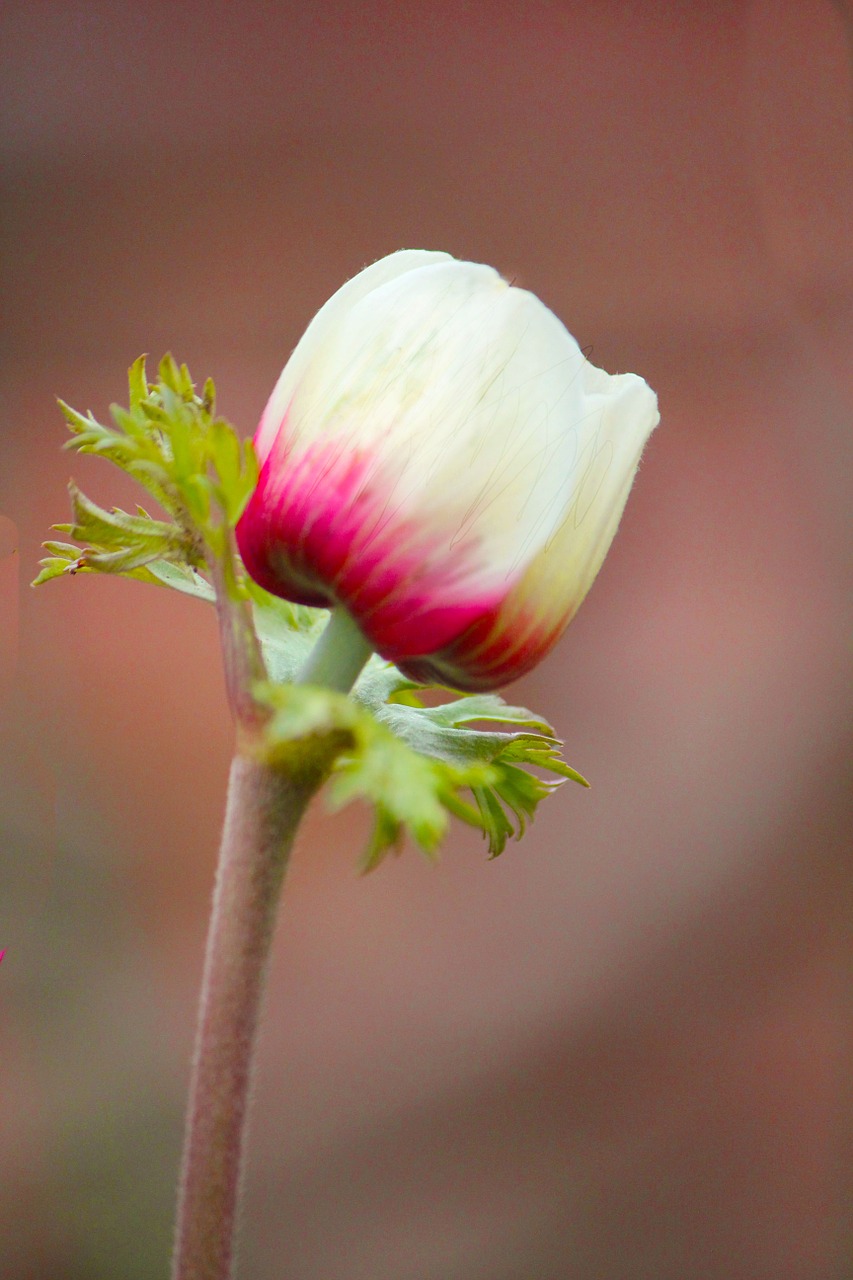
(623, 1049)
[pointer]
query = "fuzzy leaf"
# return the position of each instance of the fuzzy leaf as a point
(488, 707)
(116, 527)
(79, 423)
(51, 567)
(196, 467)
(406, 790)
(181, 578)
(412, 768)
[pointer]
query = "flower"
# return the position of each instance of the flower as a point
(440, 458)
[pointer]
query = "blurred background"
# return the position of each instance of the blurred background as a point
(623, 1049)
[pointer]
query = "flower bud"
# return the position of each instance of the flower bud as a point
(440, 458)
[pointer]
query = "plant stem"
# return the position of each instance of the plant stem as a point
(265, 805)
(338, 656)
(242, 659)
(263, 811)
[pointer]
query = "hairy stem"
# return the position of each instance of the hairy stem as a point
(265, 805)
(263, 811)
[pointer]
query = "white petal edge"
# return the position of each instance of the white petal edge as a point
(556, 582)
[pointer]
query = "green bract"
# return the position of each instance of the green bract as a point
(191, 461)
(414, 764)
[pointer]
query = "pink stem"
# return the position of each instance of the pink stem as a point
(263, 811)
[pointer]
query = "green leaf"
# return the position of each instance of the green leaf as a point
(137, 383)
(169, 374)
(196, 467)
(493, 820)
(113, 541)
(154, 476)
(116, 527)
(321, 728)
(51, 567)
(287, 632)
(180, 577)
(78, 422)
(226, 452)
(235, 464)
(66, 549)
(379, 681)
(411, 768)
(186, 385)
(405, 790)
(488, 707)
(208, 398)
(131, 424)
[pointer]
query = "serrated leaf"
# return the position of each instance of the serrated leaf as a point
(493, 820)
(486, 707)
(201, 476)
(386, 837)
(76, 421)
(225, 449)
(153, 410)
(116, 530)
(404, 788)
(227, 457)
(551, 760)
(179, 425)
(470, 750)
(520, 791)
(122, 560)
(411, 769)
(415, 726)
(118, 448)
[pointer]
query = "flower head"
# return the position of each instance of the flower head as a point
(440, 458)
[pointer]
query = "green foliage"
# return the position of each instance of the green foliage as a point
(191, 462)
(415, 765)
(412, 763)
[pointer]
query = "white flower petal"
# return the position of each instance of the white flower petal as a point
(311, 343)
(470, 396)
